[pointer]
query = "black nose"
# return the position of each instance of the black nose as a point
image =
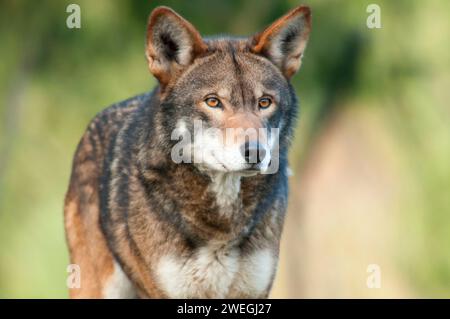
(253, 152)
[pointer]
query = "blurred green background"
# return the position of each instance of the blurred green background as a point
(371, 158)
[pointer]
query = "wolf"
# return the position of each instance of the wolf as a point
(140, 224)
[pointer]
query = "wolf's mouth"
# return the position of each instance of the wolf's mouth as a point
(244, 172)
(250, 171)
(223, 165)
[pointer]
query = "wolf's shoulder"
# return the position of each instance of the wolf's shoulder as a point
(102, 130)
(116, 113)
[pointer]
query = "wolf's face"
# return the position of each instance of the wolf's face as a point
(227, 99)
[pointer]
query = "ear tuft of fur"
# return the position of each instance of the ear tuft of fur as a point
(284, 41)
(172, 43)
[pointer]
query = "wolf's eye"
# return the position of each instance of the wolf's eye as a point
(212, 102)
(264, 102)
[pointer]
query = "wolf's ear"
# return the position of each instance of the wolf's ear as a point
(285, 40)
(172, 43)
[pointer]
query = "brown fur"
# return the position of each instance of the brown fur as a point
(87, 244)
(129, 204)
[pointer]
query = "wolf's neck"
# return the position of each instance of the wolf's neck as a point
(226, 187)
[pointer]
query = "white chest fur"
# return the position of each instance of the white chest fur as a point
(216, 273)
(118, 285)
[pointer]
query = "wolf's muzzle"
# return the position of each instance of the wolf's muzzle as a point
(253, 152)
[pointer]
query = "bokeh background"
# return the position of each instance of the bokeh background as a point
(371, 158)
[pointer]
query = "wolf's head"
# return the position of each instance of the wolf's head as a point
(228, 100)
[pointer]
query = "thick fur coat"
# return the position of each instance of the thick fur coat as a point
(140, 224)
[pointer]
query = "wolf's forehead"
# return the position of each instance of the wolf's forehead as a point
(230, 69)
(225, 44)
(236, 59)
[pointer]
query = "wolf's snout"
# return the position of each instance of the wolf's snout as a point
(253, 152)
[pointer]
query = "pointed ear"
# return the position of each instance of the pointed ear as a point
(285, 40)
(172, 43)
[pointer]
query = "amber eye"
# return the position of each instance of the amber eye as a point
(264, 102)
(212, 102)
